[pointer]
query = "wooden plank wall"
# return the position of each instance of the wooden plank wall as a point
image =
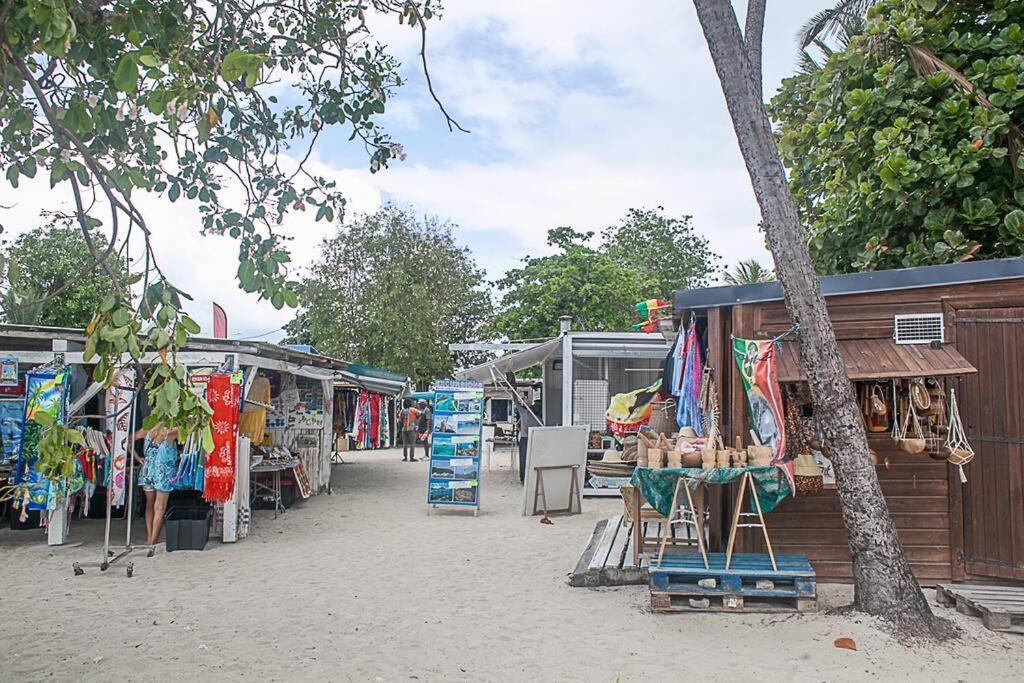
(924, 495)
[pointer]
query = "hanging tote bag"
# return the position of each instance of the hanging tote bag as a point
(807, 475)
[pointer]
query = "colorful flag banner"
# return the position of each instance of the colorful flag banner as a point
(757, 363)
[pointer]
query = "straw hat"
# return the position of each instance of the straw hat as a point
(688, 432)
(612, 456)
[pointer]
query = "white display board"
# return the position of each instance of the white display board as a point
(552, 446)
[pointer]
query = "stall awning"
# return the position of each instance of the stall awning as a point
(513, 362)
(868, 359)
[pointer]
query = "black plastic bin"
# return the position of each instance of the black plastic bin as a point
(187, 528)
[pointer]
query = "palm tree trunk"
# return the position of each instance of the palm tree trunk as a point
(885, 586)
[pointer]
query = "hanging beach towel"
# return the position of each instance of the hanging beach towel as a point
(222, 393)
(119, 399)
(688, 392)
(45, 391)
(757, 365)
(628, 412)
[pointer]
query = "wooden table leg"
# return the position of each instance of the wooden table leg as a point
(638, 530)
(764, 528)
(668, 520)
(697, 507)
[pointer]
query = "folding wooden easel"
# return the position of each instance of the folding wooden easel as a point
(689, 516)
(738, 514)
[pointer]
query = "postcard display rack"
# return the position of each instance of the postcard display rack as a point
(454, 477)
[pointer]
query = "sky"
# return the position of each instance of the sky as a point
(578, 111)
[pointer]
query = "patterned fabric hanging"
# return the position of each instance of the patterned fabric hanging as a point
(119, 399)
(222, 393)
(688, 391)
(45, 391)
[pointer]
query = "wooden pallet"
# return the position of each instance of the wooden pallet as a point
(749, 585)
(608, 558)
(1001, 608)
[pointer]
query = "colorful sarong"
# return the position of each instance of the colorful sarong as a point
(688, 412)
(222, 393)
(12, 414)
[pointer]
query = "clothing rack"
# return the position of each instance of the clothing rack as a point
(109, 557)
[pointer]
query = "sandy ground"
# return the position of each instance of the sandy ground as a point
(363, 585)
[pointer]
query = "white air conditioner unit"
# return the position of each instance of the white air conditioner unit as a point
(922, 328)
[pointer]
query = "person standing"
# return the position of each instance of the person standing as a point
(409, 419)
(528, 419)
(424, 426)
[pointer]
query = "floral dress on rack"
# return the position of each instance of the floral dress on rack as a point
(161, 465)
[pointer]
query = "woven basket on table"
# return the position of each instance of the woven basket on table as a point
(663, 418)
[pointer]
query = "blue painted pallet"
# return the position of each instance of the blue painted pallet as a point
(794, 577)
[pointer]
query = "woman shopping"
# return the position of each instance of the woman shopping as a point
(161, 463)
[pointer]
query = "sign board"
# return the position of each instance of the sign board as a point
(454, 474)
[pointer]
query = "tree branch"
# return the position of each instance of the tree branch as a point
(452, 123)
(753, 37)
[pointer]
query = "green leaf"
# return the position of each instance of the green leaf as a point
(126, 75)
(190, 325)
(43, 418)
(12, 175)
(1014, 222)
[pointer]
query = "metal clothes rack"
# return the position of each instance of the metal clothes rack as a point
(109, 557)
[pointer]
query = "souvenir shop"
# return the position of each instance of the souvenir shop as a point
(365, 408)
(934, 355)
(581, 372)
(271, 437)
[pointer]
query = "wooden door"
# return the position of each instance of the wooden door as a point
(991, 407)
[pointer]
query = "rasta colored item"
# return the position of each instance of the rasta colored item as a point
(757, 364)
(628, 412)
(222, 393)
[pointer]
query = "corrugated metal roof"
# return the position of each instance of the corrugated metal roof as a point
(858, 283)
(868, 359)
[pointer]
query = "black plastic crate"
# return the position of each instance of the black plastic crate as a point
(187, 528)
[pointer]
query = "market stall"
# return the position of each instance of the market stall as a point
(366, 409)
(580, 373)
(272, 406)
(929, 351)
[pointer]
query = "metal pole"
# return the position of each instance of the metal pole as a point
(130, 441)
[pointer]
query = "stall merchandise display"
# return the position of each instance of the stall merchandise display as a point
(372, 429)
(45, 391)
(118, 403)
(12, 410)
(688, 389)
(222, 393)
(630, 411)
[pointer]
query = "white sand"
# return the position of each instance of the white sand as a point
(363, 585)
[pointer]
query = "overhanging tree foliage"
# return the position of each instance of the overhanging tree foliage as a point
(184, 99)
(37, 269)
(904, 148)
(392, 291)
(884, 583)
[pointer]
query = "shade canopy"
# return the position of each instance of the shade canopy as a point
(513, 362)
(869, 359)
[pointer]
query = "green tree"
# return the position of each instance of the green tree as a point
(579, 281)
(903, 149)
(183, 99)
(51, 278)
(648, 254)
(748, 272)
(663, 248)
(392, 291)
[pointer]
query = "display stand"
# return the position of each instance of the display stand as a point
(455, 446)
(109, 557)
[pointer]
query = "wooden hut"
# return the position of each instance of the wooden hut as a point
(969, 323)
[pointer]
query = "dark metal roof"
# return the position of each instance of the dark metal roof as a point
(858, 283)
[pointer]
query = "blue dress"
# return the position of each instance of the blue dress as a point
(160, 466)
